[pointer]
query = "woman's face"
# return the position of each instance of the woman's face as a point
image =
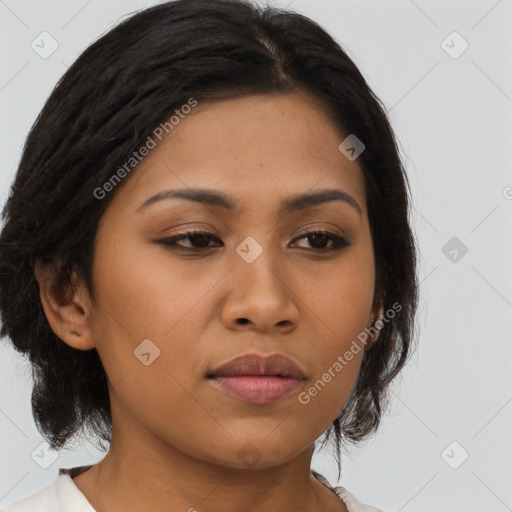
(256, 281)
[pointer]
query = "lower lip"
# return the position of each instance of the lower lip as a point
(257, 390)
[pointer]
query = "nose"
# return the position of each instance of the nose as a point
(260, 297)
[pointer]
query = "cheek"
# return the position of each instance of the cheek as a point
(343, 295)
(147, 336)
(143, 292)
(336, 362)
(326, 394)
(341, 306)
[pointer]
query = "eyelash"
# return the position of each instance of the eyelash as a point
(339, 243)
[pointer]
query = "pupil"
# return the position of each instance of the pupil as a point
(202, 238)
(317, 238)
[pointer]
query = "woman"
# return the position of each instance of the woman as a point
(207, 258)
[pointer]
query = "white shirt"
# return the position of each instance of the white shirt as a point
(64, 496)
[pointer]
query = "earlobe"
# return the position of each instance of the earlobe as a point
(66, 307)
(373, 328)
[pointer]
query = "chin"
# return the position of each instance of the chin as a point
(257, 454)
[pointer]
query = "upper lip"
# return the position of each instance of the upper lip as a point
(254, 364)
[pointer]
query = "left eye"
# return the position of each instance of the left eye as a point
(318, 239)
(199, 241)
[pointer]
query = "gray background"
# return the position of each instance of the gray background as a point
(453, 117)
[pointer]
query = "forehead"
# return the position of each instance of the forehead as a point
(255, 148)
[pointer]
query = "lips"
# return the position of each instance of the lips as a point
(253, 364)
(258, 380)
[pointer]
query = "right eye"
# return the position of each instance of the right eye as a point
(198, 239)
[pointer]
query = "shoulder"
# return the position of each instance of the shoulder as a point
(62, 494)
(351, 502)
(45, 500)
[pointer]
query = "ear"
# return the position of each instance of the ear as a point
(67, 306)
(374, 330)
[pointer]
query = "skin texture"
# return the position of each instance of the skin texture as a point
(176, 438)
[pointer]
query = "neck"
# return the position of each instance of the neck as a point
(143, 472)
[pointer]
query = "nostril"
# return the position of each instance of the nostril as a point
(243, 321)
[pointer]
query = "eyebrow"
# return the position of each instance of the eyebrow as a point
(218, 199)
